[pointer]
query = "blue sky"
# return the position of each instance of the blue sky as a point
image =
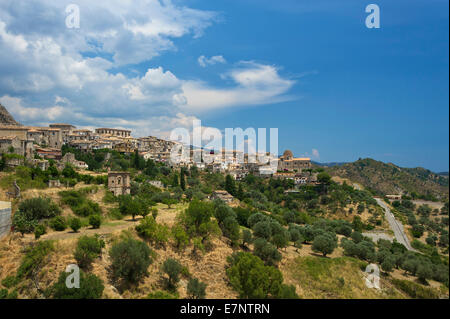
(310, 68)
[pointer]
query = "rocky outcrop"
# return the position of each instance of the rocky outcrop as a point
(6, 118)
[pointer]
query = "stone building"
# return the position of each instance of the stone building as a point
(287, 162)
(19, 146)
(113, 132)
(119, 183)
(222, 195)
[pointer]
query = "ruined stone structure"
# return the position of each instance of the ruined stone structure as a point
(287, 162)
(119, 183)
(222, 195)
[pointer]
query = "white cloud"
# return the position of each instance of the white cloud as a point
(315, 153)
(51, 73)
(254, 84)
(204, 61)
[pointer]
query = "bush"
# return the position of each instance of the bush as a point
(415, 290)
(252, 279)
(34, 258)
(91, 287)
(247, 237)
(156, 233)
(39, 230)
(161, 295)
(58, 223)
(75, 224)
(180, 237)
(38, 208)
(173, 269)
(196, 289)
(130, 259)
(95, 221)
(88, 248)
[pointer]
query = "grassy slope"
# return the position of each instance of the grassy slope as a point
(390, 179)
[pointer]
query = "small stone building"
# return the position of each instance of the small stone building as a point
(222, 195)
(119, 183)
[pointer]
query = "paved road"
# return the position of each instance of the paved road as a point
(396, 226)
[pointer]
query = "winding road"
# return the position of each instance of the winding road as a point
(396, 226)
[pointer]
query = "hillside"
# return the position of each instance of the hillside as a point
(6, 118)
(387, 178)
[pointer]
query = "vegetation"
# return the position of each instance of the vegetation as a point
(130, 259)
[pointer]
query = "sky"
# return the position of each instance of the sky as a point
(335, 89)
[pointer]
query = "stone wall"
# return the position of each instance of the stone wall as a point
(5, 218)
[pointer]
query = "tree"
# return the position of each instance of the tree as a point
(182, 180)
(130, 259)
(156, 233)
(262, 229)
(388, 263)
(266, 251)
(251, 278)
(231, 230)
(281, 239)
(75, 224)
(91, 287)
(230, 185)
(247, 237)
(169, 202)
(424, 271)
(23, 224)
(95, 221)
(196, 289)
(88, 248)
(173, 269)
(240, 192)
(180, 237)
(325, 244)
(175, 180)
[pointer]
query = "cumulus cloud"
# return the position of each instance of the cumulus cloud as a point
(204, 61)
(254, 84)
(53, 73)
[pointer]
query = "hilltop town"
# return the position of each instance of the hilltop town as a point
(191, 229)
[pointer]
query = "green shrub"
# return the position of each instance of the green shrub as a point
(130, 259)
(196, 289)
(39, 230)
(173, 269)
(252, 279)
(10, 281)
(415, 290)
(88, 248)
(95, 221)
(156, 233)
(75, 224)
(91, 287)
(162, 295)
(58, 223)
(34, 258)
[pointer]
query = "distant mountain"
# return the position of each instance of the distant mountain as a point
(331, 164)
(6, 118)
(387, 178)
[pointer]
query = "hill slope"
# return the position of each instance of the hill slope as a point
(387, 178)
(6, 118)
